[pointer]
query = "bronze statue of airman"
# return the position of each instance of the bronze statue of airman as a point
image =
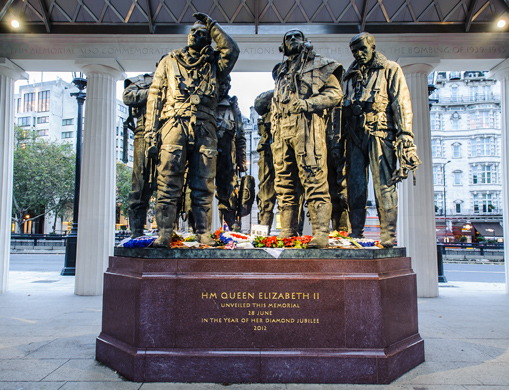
(307, 88)
(377, 115)
(182, 104)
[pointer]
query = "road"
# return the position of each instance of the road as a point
(37, 262)
(453, 272)
(474, 273)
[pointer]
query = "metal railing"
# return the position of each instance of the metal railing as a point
(471, 249)
(38, 239)
(42, 240)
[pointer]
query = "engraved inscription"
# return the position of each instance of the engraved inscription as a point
(261, 310)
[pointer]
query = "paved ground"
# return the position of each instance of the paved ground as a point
(47, 341)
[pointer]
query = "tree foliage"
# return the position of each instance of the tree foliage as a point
(43, 180)
(123, 187)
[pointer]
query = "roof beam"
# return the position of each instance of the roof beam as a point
(480, 11)
(470, 15)
(439, 11)
(384, 11)
(430, 5)
(257, 15)
(5, 8)
(364, 14)
(326, 5)
(454, 9)
(149, 17)
(80, 5)
(45, 16)
(411, 9)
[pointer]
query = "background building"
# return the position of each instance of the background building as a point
(49, 109)
(466, 147)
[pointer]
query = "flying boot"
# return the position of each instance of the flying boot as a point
(289, 217)
(388, 220)
(229, 217)
(165, 218)
(320, 214)
(357, 221)
(201, 222)
(137, 219)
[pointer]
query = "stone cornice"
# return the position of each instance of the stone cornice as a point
(12, 70)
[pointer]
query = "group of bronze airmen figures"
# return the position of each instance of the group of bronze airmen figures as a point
(321, 130)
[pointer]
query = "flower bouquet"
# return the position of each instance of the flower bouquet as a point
(231, 240)
(344, 240)
(138, 242)
(276, 242)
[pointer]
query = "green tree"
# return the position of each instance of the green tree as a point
(43, 177)
(123, 187)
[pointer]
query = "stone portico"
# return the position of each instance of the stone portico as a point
(106, 58)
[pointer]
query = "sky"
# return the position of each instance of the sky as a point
(245, 85)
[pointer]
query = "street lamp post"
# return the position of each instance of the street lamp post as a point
(445, 202)
(441, 275)
(69, 269)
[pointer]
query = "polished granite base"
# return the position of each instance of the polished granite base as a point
(307, 316)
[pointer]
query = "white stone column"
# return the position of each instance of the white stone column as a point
(9, 72)
(96, 218)
(501, 73)
(416, 207)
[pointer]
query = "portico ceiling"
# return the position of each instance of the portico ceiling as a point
(252, 16)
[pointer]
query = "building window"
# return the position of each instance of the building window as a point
(29, 102)
(43, 132)
(454, 94)
(67, 134)
(18, 106)
(122, 108)
(435, 148)
(481, 146)
(455, 75)
(483, 203)
(437, 175)
(42, 119)
(436, 121)
(483, 120)
(43, 99)
(483, 174)
(486, 92)
(473, 93)
(458, 208)
(24, 121)
(457, 178)
(67, 122)
(456, 150)
(455, 124)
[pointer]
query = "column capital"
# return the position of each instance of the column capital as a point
(108, 66)
(501, 70)
(10, 69)
(423, 65)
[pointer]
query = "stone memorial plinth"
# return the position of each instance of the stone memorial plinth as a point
(213, 315)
